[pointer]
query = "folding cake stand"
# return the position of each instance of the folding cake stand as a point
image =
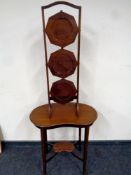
(62, 29)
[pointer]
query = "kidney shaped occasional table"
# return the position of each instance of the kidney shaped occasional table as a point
(63, 116)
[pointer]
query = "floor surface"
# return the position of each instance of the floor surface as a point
(103, 159)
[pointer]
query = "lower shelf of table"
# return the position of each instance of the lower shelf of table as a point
(63, 147)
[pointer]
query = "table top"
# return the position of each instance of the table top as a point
(63, 115)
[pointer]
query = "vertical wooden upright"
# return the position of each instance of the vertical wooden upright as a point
(0, 141)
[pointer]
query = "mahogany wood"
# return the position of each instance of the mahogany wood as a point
(0, 147)
(85, 150)
(79, 139)
(61, 2)
(62, 63)
(61, 29)
(63, 91)
(44, 148)
(46, 58)
(63, 115)
(63, 147)
(56, 31)
(0, 141)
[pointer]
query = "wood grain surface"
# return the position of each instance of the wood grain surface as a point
(63, 115)
(63, 147)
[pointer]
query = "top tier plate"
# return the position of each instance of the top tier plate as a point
(61, 29)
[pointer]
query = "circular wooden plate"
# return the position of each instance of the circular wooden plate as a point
(61, 29)
(62, 63)
(63, 91)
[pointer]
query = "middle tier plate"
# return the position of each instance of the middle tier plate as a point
(62, 63)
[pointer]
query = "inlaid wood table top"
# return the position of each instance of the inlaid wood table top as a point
(63, 115)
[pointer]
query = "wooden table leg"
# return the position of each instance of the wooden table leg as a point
(0, 147)
(79, 142)
(85, 150)
(44, 148)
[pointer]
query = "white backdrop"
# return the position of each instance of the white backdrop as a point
(104, 74)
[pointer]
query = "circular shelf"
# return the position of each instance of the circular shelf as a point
(62, 63)
(61, 29)
(63, 91)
